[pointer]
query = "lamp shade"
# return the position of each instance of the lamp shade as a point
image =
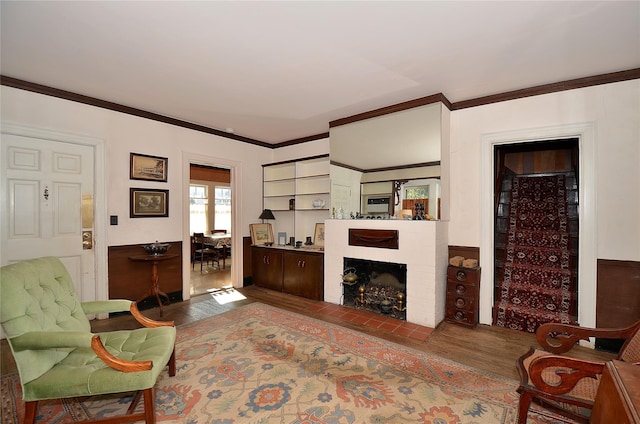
(266, 214)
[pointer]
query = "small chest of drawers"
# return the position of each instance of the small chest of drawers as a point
(463, 295)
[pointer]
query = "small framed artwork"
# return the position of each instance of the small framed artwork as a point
(318, 235)
(149, 168)
(282, 238)
(261, 234)
(148, 203)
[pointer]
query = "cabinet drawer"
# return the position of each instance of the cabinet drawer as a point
(468, 275)
(461, 289)
(462, 302)
(460, 316)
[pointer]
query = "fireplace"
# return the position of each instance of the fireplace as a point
(381, 287)
(422, 248)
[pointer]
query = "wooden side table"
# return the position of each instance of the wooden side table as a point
(154, 290)
(618, 397)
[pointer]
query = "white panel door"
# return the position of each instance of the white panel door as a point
(43, 186)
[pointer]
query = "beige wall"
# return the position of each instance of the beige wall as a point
(606, 117)
(612, 110)
(122, 134)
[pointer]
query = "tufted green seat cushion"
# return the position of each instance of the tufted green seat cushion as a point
(83, 373)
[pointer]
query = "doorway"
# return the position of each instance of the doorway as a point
(536, 234)
(210, 218)
(587, 184)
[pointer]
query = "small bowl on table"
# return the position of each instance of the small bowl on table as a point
(156, 249)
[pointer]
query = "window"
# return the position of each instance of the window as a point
(222, 210)
(416, 192)
(198, 208)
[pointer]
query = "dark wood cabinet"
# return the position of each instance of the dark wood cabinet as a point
(294, 272)
(266, 268)
(304, 274)
(463, 295)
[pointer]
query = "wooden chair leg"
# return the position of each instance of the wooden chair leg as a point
(523, 407)
(150, 406)
(172, 363)
(30, 410)
(134, 402)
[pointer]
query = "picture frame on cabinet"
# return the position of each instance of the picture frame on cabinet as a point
(261, 234)
(282, 238)
(148, 168)
(318, 235)
(148, 203)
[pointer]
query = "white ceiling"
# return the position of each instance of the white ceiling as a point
(277, 71)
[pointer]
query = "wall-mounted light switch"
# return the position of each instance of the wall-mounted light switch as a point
(113, 219)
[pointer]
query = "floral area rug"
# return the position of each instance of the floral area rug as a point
(260, 364)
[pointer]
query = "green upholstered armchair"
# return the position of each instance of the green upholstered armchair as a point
(57, 355)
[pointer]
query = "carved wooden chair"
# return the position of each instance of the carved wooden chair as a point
(567, 385)
(58, 356)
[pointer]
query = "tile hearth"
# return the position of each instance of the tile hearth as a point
(373, 320)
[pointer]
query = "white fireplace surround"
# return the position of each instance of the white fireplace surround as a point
(423, 247)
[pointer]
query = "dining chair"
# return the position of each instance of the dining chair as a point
(564, 384)
(204, 252)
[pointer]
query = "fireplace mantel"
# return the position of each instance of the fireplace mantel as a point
(422, 246)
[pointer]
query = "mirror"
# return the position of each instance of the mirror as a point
(399, 146)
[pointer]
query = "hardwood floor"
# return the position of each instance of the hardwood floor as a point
(493, 349)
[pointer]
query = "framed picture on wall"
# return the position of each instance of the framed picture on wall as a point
(261, 234)
(318, 236)
(149, 168)
(148, 203)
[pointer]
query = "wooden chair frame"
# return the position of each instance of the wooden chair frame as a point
(561, 338)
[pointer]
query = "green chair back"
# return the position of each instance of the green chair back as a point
(38, 295)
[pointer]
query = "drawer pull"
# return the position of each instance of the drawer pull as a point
(461, 275)
(458, 316)
(461, 289)
(460, 302)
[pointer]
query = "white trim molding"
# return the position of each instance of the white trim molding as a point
(587, 179)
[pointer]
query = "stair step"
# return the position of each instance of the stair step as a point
(528, 319)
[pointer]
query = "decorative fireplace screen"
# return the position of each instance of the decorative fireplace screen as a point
(380, 287)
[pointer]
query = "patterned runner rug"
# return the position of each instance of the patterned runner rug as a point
(260, 364)
(537, 285)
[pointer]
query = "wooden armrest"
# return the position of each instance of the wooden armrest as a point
(148, 322)
(560, 338)
(575, 370)
(116, 363)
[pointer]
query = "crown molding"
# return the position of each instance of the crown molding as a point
(608, 78)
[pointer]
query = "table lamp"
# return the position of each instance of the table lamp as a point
(266, 214)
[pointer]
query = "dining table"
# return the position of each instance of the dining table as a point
(219, 240)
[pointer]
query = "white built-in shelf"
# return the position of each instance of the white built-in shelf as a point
(304, 181)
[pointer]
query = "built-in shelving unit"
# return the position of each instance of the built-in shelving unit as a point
(298, 193)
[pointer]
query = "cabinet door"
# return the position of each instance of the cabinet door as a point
(304, 275)
(266, 268)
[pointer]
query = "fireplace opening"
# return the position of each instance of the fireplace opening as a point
(379, 287)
